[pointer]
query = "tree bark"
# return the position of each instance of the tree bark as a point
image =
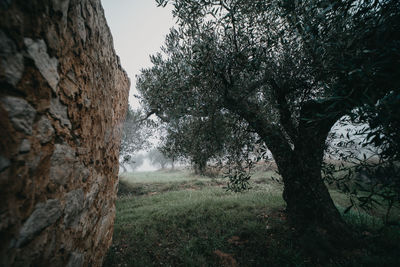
(310, 207)
(200, 167)
(308, 200)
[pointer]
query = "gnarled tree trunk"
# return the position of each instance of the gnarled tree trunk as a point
(299, 158)
(307, 198)
(309, 205)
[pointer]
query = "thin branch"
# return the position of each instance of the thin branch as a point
(153, 111)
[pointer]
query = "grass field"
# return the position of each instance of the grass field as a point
(173, 218)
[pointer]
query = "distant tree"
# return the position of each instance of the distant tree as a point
(157, 158)
(290, 69)
(201, 140)
(135, 136)
(138, 160)
(133, 162)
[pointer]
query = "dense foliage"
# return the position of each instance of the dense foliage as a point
(288, 69)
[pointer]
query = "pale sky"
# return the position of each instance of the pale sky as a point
(139, 28)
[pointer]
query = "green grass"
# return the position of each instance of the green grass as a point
(178, 219)
(149, 183)
(165, 176)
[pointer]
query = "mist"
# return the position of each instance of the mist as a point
(146, 166)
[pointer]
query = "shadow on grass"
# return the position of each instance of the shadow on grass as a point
(195, 222)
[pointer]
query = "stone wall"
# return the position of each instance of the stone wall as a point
(63, 96)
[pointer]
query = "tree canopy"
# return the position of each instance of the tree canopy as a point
(288, 69)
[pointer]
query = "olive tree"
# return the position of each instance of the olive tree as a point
(290, 69)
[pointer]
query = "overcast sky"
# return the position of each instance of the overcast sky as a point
(138, 28)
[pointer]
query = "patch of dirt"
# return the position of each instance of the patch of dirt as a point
(226, 259)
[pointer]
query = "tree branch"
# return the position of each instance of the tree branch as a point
(284, 112)
(152, 112)
(269, 132)
(255, 85)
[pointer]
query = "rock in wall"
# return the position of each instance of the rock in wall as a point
(63, 96)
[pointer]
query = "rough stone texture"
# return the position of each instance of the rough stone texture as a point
(73, 207)
(76, 260)
(25, 146)
(59, 112)
(45, 130)
(20, 113)
(11, 61)
(47, 66)
(4, 163)
(43, 216)
(62, 164)
(63, 96)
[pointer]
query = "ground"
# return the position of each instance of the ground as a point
(174, 218)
